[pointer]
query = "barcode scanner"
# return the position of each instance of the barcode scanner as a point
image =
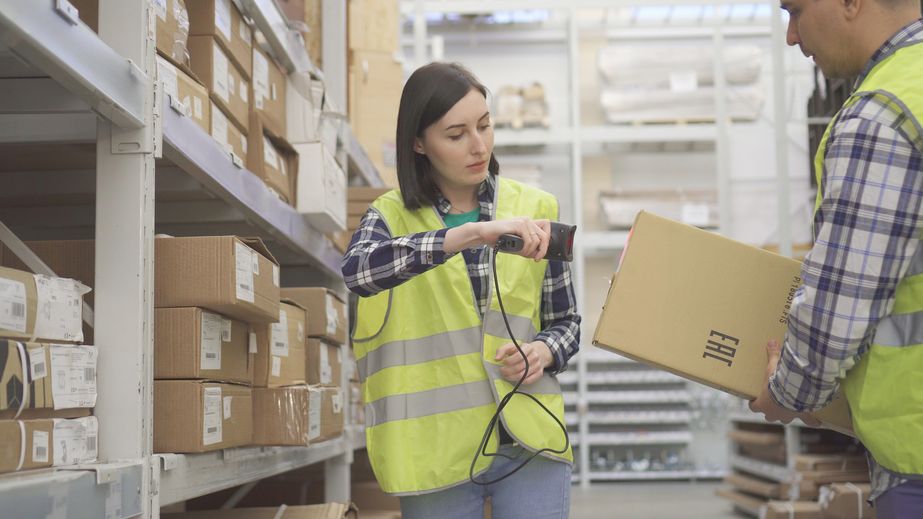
(560, 246)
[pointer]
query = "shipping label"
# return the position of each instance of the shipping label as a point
(326, 372)
(220, 129)
(244, 258)
(253, 344)
(260, 79)
(223, 18)
(37, 367)
(244, 91)
(227, 407)
(314, 414)
(168, 77)
(276, 369)
(337, 399)
(75, 441)
(73, 371)
(270, 157)
(275, 275)
(13, 306)
(243, 30)
(211, 341)
(40, 447)
(226, 328)
(211, 421)
(59, 314)
(220, 76)
(278, 344)
(332, 318)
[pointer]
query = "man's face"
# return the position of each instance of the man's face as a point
(821, 31)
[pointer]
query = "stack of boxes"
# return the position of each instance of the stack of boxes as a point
(376, 79)
(47, 379)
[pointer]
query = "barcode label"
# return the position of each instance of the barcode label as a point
(40, 446)
(12, 305)
(73, 371)
(211, 422)
(279, 337)
(38, 368)
(211, 341)
(225, 330)
(89, 374)
(91, 444)
(244, 261)
(18, 310)
(211, 355)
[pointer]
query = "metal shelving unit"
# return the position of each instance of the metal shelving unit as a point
(656, 475)
(149, 168)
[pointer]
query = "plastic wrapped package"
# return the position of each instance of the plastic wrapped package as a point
(666, 105)
(286, 415)
(655, 67)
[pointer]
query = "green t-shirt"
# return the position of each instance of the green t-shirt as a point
(454, 220)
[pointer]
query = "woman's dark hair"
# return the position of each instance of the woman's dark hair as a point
(431, 91)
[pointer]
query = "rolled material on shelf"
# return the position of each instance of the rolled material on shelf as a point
(667, 105)
(658, 66)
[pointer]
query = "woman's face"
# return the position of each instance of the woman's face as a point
(460, 144)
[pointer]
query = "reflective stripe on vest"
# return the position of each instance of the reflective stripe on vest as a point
(885, 387)
(426, 360)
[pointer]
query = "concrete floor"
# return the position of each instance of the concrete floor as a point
(670, 500)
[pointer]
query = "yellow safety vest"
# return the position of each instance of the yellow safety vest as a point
(885, 387)
(426, 358)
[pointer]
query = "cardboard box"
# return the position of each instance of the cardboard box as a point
(286, 415)
(341, 240)
(235, 277)
(227, 84)
(273, 159)
(368, 495)
(830, 462)
(326, 312)
(791, 510)
(361, 197)
(303, 115)
(374, 25)
(308, 12)
(269, 92)
(73, 259)
(172, 22)
(333, 416)
(324, 363)
(687, 301)
(231, 137)
(222, 20)
(192, 343)
(325, 511)
(47, 443)
(189, 97)
(42, 308)
(46, 380)
(321, 188)
(195, 416)
(280, 349)
(846, 501)
(376, 80)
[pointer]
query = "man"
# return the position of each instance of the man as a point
(857, 323)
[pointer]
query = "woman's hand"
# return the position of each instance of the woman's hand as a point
(514, 366)
(535, 235)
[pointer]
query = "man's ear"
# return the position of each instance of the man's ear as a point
(852, 8)
(418, 146)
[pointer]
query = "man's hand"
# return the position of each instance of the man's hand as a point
(514, 366)
(767, 405)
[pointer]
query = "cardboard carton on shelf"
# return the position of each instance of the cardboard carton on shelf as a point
(326, 312)
(324, 511)
(228, 85)
(791, 510)
(46, 380)
(846, 501)
(687, 301)
(280, 348)
(192, 343)
(374, 25)
(221, 20)
(41, 308)
(269, 93)
(321, 187)
(286, 415)
(188, 95)
(231, 276)
(33, 444)
(273, 159)
(196, 416)
(307, 12)
(324, 363)
(332, 415)
(234, 140)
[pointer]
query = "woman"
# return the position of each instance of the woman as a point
(432, 345)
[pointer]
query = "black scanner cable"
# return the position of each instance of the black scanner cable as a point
(482, 448)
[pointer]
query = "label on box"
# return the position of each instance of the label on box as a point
(60, 309)
(260, 78)
(227, 407)
(331, 316)
(197, 108)
(243, 143)
(220, 76)
(282, 168)
(223, 18)
(273, 94)
(232, 84)
(243, 30)
(75, 441)
(270, 157)
(211, 421)
(326, 372)
(314, 404)
(13, 305)
(300, 331)
(39, 446)
(337, 399)
(186, 107)
(244, 259)
(168, 77)
(278, 344)
(220, 128)
(255, 258)
(226, 330)
(275, 275)
(276, 366)
(211, 341)
(160, 7)
(245, 91)
(252, 340)
(37, 367)
(73, 372)
(695, 214)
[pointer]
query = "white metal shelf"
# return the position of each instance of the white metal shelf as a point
(533, 137)
(287, 46)
(89, 491)
(638, 133)
(197, 154)
(656, 475)
(640, 438)
(634, 417)
(633, 397)
(622, 377)
(771, 471)
(76, 57)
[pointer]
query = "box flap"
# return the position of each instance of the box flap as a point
(258, 245)
(293, 303)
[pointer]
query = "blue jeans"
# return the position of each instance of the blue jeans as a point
(541, 490)
(901, 502)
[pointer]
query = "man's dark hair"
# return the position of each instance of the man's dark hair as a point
(431, 91)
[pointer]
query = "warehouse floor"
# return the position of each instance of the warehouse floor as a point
(673, 500)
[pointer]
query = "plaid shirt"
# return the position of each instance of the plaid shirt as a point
(376, 261)
(865, 233)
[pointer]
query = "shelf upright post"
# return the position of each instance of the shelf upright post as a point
(419, 34)
(722, 130)
(334, 51)
(780, 119)
(125, 255)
